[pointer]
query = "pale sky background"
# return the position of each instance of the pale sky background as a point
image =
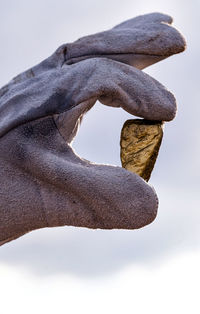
(76, 270)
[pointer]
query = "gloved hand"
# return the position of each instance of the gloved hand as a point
(43, 182)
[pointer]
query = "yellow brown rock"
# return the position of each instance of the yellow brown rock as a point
(140, 143)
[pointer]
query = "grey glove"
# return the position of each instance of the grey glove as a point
(43, 183)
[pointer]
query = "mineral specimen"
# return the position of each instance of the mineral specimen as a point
(140, 143)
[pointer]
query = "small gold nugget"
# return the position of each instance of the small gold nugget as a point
(140, 143)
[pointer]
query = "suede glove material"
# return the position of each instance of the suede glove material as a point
(43, 183)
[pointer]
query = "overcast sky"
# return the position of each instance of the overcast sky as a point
(79, 269)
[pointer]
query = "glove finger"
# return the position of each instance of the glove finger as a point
(148, 37)
(111, 82)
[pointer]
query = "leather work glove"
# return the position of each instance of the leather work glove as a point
(43, 183)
